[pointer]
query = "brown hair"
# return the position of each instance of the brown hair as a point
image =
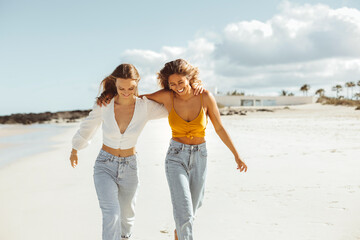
(178, 66)
(108, 85)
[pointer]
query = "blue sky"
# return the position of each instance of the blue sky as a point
(54, 54)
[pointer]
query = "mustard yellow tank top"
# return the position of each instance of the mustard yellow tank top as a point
(182, 128)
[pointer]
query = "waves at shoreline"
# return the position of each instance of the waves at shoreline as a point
(17, 142)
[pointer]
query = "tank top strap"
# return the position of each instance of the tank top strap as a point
(172, 97)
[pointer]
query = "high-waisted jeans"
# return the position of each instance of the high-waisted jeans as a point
(116, 182)
(186, 171)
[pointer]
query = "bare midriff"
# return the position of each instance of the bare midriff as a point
(119, 152)
(186, 140)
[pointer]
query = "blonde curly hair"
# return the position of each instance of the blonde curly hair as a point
(181, 67)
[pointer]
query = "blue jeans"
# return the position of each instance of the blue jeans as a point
(186, 171)
(116, 182)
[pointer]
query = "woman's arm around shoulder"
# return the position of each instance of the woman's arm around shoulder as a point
(162, 96)
(214, 115)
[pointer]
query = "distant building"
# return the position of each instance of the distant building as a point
(227, 100)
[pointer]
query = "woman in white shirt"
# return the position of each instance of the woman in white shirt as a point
(115, 171)
(186, 160)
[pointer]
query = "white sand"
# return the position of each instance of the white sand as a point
(303, 182)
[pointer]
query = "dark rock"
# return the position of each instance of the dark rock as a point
(242, 112)
(31, 118)
(264, 110)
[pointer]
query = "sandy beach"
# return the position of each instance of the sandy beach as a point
(302, 183)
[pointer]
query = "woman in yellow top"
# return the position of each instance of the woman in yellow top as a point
(187, 155)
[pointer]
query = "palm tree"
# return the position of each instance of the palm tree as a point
(305, 88)
(337, 88)
(283, 93)
(320, 92)
(358, 83)
(350, 85)
(357, 96)
(236, 93)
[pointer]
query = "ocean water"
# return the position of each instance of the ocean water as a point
(39, 138)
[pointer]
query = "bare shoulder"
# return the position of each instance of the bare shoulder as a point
(208, 97)
(206, 93)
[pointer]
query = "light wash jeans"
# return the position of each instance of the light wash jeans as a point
(116, 182)
(186, 172)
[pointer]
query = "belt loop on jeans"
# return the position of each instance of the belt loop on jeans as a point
(182, 147)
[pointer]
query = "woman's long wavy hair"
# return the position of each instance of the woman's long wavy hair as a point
(108, 85)
(181, 67)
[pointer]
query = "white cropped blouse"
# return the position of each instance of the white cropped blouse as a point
(145, 110)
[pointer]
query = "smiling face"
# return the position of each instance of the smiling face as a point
(179, 84)
(126, 87)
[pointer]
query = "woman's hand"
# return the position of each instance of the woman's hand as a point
(241, 165)
(215, 118)
(198, 88)
(103, 100)
(73, 158)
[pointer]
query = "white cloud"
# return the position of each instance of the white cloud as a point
(296, 34)
(311, 44)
